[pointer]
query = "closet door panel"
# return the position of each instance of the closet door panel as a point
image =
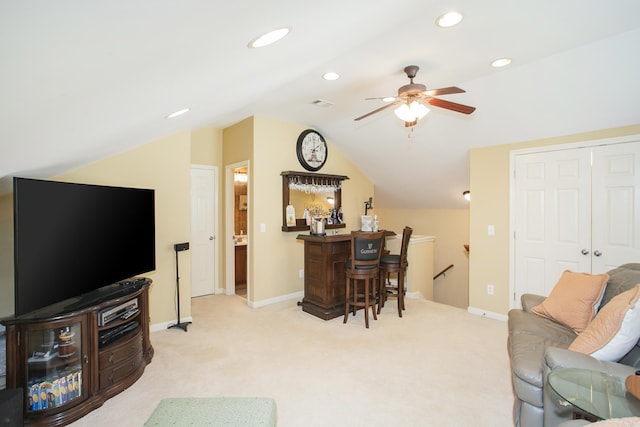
(616, 205)
(552, 218)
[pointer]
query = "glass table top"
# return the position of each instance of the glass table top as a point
(596, 393)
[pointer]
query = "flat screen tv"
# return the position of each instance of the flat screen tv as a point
(71, 239)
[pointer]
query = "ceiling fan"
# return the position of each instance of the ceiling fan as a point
(412, 97)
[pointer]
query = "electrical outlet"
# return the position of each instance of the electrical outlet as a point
(301, 273)
(491, 230)
(489, 289)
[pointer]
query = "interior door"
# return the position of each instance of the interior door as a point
(616, 205)
(552, 218)
(203, 236)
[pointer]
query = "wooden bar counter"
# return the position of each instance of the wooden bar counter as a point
(324, 275)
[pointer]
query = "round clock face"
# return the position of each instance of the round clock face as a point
(311, 150)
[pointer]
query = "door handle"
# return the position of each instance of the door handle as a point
(210, 237)
(584, 252)
(597, 253)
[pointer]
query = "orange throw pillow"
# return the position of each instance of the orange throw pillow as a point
(574, 300)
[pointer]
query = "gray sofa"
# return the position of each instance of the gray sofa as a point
(538, 345)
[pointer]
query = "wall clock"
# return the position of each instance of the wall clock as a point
(311, 150)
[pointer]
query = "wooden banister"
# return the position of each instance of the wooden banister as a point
(442, 272)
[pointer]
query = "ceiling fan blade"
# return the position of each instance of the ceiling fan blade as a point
(444, 91)
(460, 108)
(377, 110)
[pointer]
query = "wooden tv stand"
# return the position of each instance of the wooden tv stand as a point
(70, 357)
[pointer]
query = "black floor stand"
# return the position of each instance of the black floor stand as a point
(178, 324)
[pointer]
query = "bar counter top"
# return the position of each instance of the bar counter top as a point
(324, 239)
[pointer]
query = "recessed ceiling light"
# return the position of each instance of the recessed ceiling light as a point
(502, 62)
(269, 38)
(330, 76)
(177, 113)
(449, 19)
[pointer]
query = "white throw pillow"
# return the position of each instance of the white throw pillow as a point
(615, 329)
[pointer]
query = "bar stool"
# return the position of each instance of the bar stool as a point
(362, 267)
(394, 263)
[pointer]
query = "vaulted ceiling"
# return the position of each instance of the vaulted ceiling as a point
(83, 80)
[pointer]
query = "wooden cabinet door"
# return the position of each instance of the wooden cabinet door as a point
(55, 373)
(241, 264)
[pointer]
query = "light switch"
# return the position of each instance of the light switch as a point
(263, 228)
(491, 230)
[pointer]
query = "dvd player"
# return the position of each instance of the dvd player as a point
(108, 336)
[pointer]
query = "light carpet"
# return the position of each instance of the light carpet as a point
(436, 366)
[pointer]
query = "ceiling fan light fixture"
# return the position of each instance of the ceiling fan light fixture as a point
(403, 113)
(412, 112)
(419, 109)
(413, 99)
(269, 38)
(449, 19)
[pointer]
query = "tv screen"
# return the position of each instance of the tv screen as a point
(71, 239)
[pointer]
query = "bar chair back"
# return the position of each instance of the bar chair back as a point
(362, 268)
(394, 263)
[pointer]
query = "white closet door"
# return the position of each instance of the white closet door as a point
(616, 205)
(552, 218)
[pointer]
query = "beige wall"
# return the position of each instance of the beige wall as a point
(450, 227)
(206, 147)
(238, 142)
(161, 165)
(237, 147)
(275, 257)
(489, 178)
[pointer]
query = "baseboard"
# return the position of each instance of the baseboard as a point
(484, 313)
(165, 325)
(281, 298)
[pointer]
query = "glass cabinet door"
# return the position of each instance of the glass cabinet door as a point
(54, 365)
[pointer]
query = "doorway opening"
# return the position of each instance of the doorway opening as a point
(240, 238)
(238, 229)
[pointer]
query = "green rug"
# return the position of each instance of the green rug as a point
(214, 411)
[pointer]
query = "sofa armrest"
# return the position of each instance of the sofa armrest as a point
(556, 412)
(555, 358)
(529, 301)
